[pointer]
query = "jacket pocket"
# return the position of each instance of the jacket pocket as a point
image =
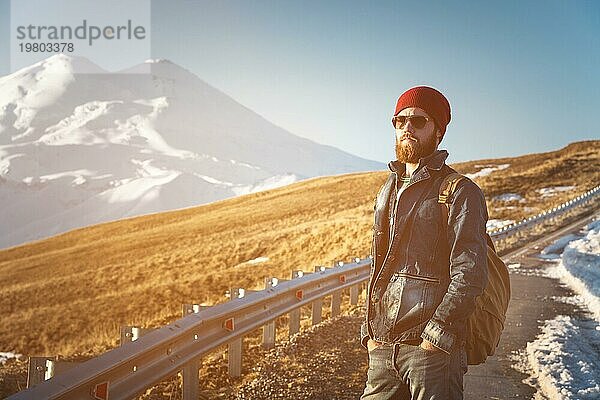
(426, 230)
(408, 300)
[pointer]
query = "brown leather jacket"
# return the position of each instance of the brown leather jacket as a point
(424, 276)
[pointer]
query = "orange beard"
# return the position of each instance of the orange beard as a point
(409, 151)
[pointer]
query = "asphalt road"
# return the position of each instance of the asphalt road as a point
(531, 304)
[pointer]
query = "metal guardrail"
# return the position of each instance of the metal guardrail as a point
(509, 230)
(127, 371)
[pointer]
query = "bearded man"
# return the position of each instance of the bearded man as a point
(425, 275)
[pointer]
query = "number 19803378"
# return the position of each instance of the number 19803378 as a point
(59, 47)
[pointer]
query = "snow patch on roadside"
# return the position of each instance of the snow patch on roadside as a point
(559, 245)
(5, 356)
(564, 359)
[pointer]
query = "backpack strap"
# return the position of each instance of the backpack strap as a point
(447, 189)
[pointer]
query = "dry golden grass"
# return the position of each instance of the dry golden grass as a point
(578, 165)
(70, 293)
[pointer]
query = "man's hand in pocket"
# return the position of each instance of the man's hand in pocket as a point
(427, 345)
(372, 344)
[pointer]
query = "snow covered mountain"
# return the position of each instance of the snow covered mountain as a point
(79, 149)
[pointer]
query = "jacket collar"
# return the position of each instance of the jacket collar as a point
(433, 161)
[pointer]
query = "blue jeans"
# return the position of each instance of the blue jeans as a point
(409, 372)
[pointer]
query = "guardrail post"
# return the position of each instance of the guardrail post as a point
(336, 301)
(39, 369)
(234, 348)
(43, 368)
(317, 305)
(234, 354)
(131, 334)
(317, 309)
(354, 295)
(336, 297)
(295, 314)
(187, 309)
(190, 381)
(269, 328)
(189, 374)
(354, 290)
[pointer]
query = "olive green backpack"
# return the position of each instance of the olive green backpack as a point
(485, 325)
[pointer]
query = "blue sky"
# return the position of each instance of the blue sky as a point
(521, 76)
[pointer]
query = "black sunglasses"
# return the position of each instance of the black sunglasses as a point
(418, 121)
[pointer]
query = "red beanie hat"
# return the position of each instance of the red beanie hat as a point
(430, 100)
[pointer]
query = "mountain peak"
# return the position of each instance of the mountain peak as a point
(60, 64)
(84, 148)
(73, 64)
(59, 57)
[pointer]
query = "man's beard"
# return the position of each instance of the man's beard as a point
(409, 151)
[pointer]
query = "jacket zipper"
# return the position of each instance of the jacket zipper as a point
(418, 277)
(393, 219)
(395, 209)
(397, 201)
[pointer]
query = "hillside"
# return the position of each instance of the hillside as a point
(576, 165)
(173, 141)
(69, 294)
